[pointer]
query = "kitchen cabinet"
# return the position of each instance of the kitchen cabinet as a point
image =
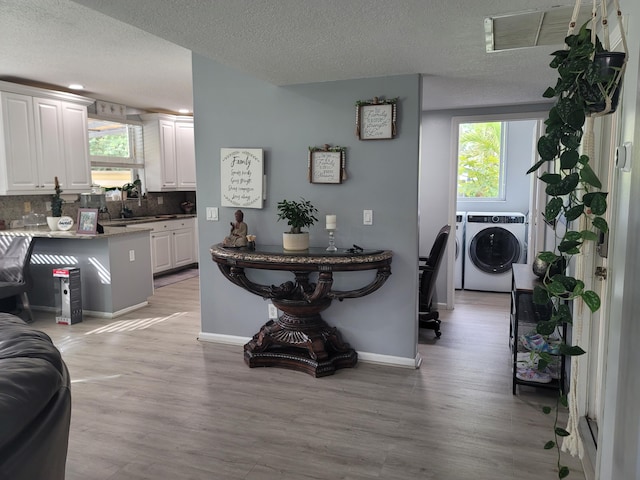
(173, 244)
(43, 135)
(169, 153)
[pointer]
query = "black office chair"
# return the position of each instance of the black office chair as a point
(15, 276)
(427, 316)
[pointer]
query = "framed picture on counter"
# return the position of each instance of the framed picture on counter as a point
(87, 221)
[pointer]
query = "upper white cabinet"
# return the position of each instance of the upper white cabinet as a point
(169, 153)
(43, 135)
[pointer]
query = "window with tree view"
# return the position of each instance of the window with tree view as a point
(116, 152)
(480, 161)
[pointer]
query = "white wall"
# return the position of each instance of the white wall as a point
(619, 431)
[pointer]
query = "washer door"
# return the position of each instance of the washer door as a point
(494, 249)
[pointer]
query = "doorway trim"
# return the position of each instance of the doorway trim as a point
(536, 202)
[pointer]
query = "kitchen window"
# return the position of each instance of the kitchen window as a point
(116, 152)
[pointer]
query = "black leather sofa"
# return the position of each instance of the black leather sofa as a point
(35, 404)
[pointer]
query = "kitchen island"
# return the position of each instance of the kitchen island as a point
(115, 268)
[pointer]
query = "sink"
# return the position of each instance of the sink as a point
(166, 216)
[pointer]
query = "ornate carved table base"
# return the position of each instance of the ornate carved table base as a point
(300, 340)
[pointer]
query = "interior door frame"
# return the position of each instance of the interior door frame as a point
(536, 203)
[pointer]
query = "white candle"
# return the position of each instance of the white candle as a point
(331, 222)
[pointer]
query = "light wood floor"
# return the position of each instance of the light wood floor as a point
(152, 402)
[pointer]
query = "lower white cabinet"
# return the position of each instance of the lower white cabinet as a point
(172, 244)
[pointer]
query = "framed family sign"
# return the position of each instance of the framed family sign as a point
(376, 118)
(327, 164)
(241, 177)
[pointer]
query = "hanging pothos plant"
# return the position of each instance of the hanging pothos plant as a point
(572, 186)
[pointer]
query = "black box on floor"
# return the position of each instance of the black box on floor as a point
(68, 295)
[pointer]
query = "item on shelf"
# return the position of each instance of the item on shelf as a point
(529, 374)
(538, 343)
(530, 360)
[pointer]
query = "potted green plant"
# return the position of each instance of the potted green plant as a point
(56, 207)
(298, 215)
(584, 89)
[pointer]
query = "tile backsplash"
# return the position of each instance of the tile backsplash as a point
(159, 203)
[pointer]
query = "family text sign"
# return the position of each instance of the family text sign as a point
(376, 119)
(241, 172)
(327, 164)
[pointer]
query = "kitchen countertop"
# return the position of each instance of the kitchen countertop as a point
(123, 222)
(112, 228)
(71, 234)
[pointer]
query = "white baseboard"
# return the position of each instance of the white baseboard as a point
(364, 357)
(225, 339)
(93, 313)
(119, 313)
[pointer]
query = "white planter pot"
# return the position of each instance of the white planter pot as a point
(53, 222)
(295, 241)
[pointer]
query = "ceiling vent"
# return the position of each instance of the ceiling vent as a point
(531, 28)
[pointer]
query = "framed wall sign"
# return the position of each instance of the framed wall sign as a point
(376, 119)
(241, 177)
(327, 164)
(87, 221)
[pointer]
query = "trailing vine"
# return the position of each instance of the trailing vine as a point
(574, 191)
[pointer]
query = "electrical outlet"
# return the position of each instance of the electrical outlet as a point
(132, 255)
(27, 207)
(160, 200)
(367, 217)
(47, 206)
(273, 311)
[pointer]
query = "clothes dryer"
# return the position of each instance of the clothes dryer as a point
(459, 263)
(494, 241)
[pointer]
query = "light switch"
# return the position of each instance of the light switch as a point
(212, 214)
(367, 217)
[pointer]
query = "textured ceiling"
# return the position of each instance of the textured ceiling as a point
(138, 52)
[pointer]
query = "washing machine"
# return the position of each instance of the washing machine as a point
(459, 263)
(494, 241)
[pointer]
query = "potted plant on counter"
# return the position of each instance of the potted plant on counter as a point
(56, 207)
(298, 215)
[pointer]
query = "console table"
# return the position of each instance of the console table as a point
(300, 339)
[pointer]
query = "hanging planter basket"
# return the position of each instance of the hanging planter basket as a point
(608, 65)
(599, 83)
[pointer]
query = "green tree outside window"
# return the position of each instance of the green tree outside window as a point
(479, 160)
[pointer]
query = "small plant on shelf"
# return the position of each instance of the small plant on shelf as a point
(298, 214)
(56, 200)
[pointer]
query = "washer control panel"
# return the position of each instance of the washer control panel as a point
(506, 218)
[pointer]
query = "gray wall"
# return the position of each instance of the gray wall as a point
(235, 110)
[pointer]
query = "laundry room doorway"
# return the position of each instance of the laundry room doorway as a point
(490, 157)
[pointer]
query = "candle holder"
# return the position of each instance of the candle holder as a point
(332, 242)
